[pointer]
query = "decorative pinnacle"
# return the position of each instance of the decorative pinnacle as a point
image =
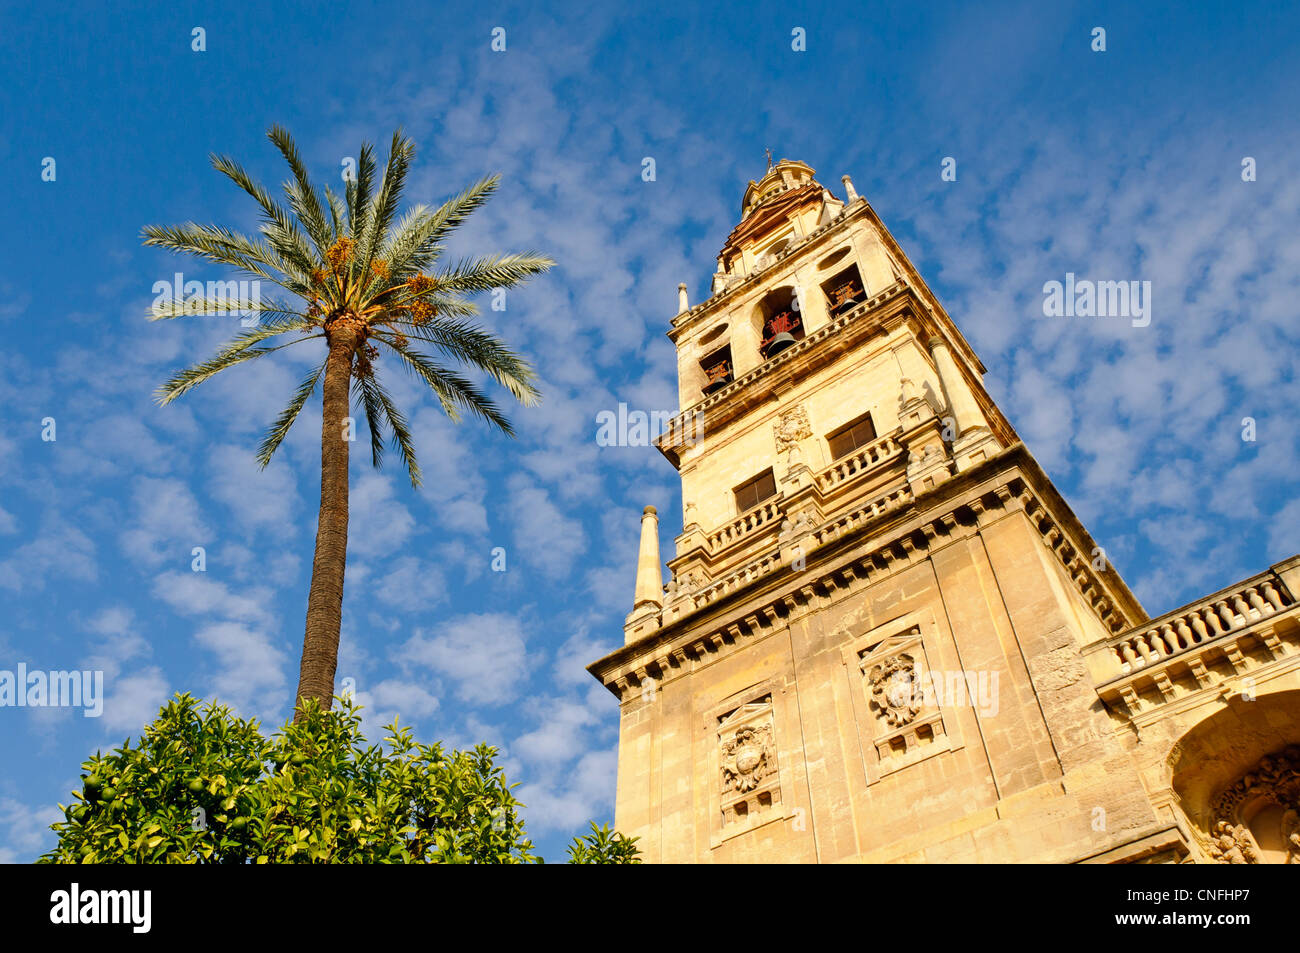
(649, 578)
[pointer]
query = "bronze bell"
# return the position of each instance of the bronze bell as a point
(778, 344)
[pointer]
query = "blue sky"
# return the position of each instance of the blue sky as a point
(1117, 165)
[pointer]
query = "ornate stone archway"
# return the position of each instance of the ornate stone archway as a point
(1257, 818)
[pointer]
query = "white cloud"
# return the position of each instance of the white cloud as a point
(26, 830)
(59, 550)
(167, 522)
(544, 536)
(266, 499)
(196, 593)
(483, 655)
(132, 702)
(560, 737)
(377, 523)
(409, 584)
(566, 802)
(251, 673)
(573, 657)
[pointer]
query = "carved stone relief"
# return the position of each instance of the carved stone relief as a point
(907, 721)
(747, 763)
(746, 758)
(791, 427)
(1257, 819)
(895, 693)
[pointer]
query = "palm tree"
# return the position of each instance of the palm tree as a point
(368, 283)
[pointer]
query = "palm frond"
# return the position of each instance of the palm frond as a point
(453, 212)
(402, 439)
(280, 429)
(380, 412)
(358, 191)
(301, 194)
(497, 271)
(450, 306)
(454, 392)
(203, 305)
(260, 332)
(384, 206)
(478, 348)
(404, 237)
(220, 245)
(365, 387)
(338, 214)
(279, 228)
(415, 251)
(196, 374)
(409, 224)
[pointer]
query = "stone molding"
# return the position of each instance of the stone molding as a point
(763, 596)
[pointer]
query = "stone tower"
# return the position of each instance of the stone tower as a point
(886, 637)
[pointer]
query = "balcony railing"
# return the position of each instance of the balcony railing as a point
(766, 513)
(860, 461)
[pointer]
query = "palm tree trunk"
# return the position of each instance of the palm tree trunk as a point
(320, 644)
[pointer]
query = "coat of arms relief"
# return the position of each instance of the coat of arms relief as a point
(908, 721)
(746, 758)
(790, 428)
(895, 692)
(747, 763)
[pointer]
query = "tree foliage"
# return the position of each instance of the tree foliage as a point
(203, 785)
(351, 261)
(604, 846)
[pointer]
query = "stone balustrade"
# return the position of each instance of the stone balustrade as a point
(859, 462)
(1184, 629)
(834, 528)
(764, 515)
(737, 580)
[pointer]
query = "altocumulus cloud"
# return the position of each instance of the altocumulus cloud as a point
(482, 656)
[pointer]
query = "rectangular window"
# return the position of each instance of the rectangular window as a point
(851, 437)
(750, 494)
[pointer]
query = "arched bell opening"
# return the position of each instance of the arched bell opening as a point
(779, 320)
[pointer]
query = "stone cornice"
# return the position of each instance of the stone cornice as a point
(769, 591)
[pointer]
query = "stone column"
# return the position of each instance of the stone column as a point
(961, 403)
(682, 304)
(850, 193)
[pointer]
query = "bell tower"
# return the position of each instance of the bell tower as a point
(882, 625)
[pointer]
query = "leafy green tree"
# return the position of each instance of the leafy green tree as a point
(205, 786)
(604, 846)
(368, 283)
